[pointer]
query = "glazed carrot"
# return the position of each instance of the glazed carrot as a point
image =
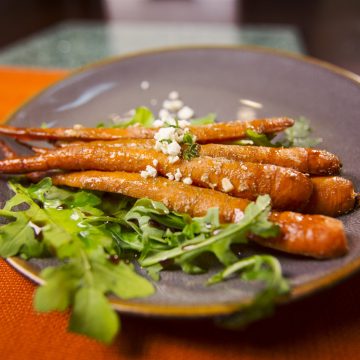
(305, 160)
(311, 235)
(7, 151)
(332, 196)
(287, 188)
(206, 133)
(237, 129)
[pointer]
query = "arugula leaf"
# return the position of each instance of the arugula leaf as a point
(83, 283)
(143, 116)
(259, 139)
(300, 135)
(232, 233)
(120, 279)
(92, 315)
(264, 268)
(19, 235)
(206, 120)
(93, 235)
(61, 283)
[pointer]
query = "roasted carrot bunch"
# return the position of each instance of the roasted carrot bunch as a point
(288, 189)
(128, 161)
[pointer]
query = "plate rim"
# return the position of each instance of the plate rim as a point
(200, 310)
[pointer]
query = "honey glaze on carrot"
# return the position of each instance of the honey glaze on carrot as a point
(332, 196)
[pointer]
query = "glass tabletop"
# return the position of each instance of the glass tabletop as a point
(73, 44)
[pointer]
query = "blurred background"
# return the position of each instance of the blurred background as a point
(71, 33)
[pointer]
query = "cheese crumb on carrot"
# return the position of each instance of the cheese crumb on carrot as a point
(177, 175)
(148, 172)
(187, 181)
(227, 185)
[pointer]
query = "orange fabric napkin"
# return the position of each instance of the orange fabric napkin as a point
(323, 326)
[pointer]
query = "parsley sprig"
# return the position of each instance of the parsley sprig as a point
(191, 148)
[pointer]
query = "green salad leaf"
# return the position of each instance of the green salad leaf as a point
(205, 120)
(58, 222)
(92, 315)
(96, 238)
(300, 135)
(297, 135)
(142, 116)
(257, 267)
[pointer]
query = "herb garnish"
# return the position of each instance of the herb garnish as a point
(191, 148)
(142, 116)
(205, 120)
(298, 135)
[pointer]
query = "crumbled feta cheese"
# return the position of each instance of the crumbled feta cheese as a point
(170, 121)
(114, 117)
(187, 181)
(148, 172)
(173, 159)
(173, 105)
(183, 124)
(204, 177)
(155, 162)
(70, 132)
(158, 123)
(227, 185)
(165, 133)
(170, 176)
(163, 114)
(158, 146)
(170, 134)
(174, 149)
(243, 186)
(151, 171)
(78, 126)
(238, 215)
(174, 95)
(145, 85)
(185, 113)
(178, 175)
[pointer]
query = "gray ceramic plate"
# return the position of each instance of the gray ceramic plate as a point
(214, 80)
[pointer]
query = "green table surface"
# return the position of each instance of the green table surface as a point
(74, 44)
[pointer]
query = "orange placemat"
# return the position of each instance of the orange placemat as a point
(324, 326)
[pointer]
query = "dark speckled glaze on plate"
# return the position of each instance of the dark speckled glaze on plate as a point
(213, 80)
